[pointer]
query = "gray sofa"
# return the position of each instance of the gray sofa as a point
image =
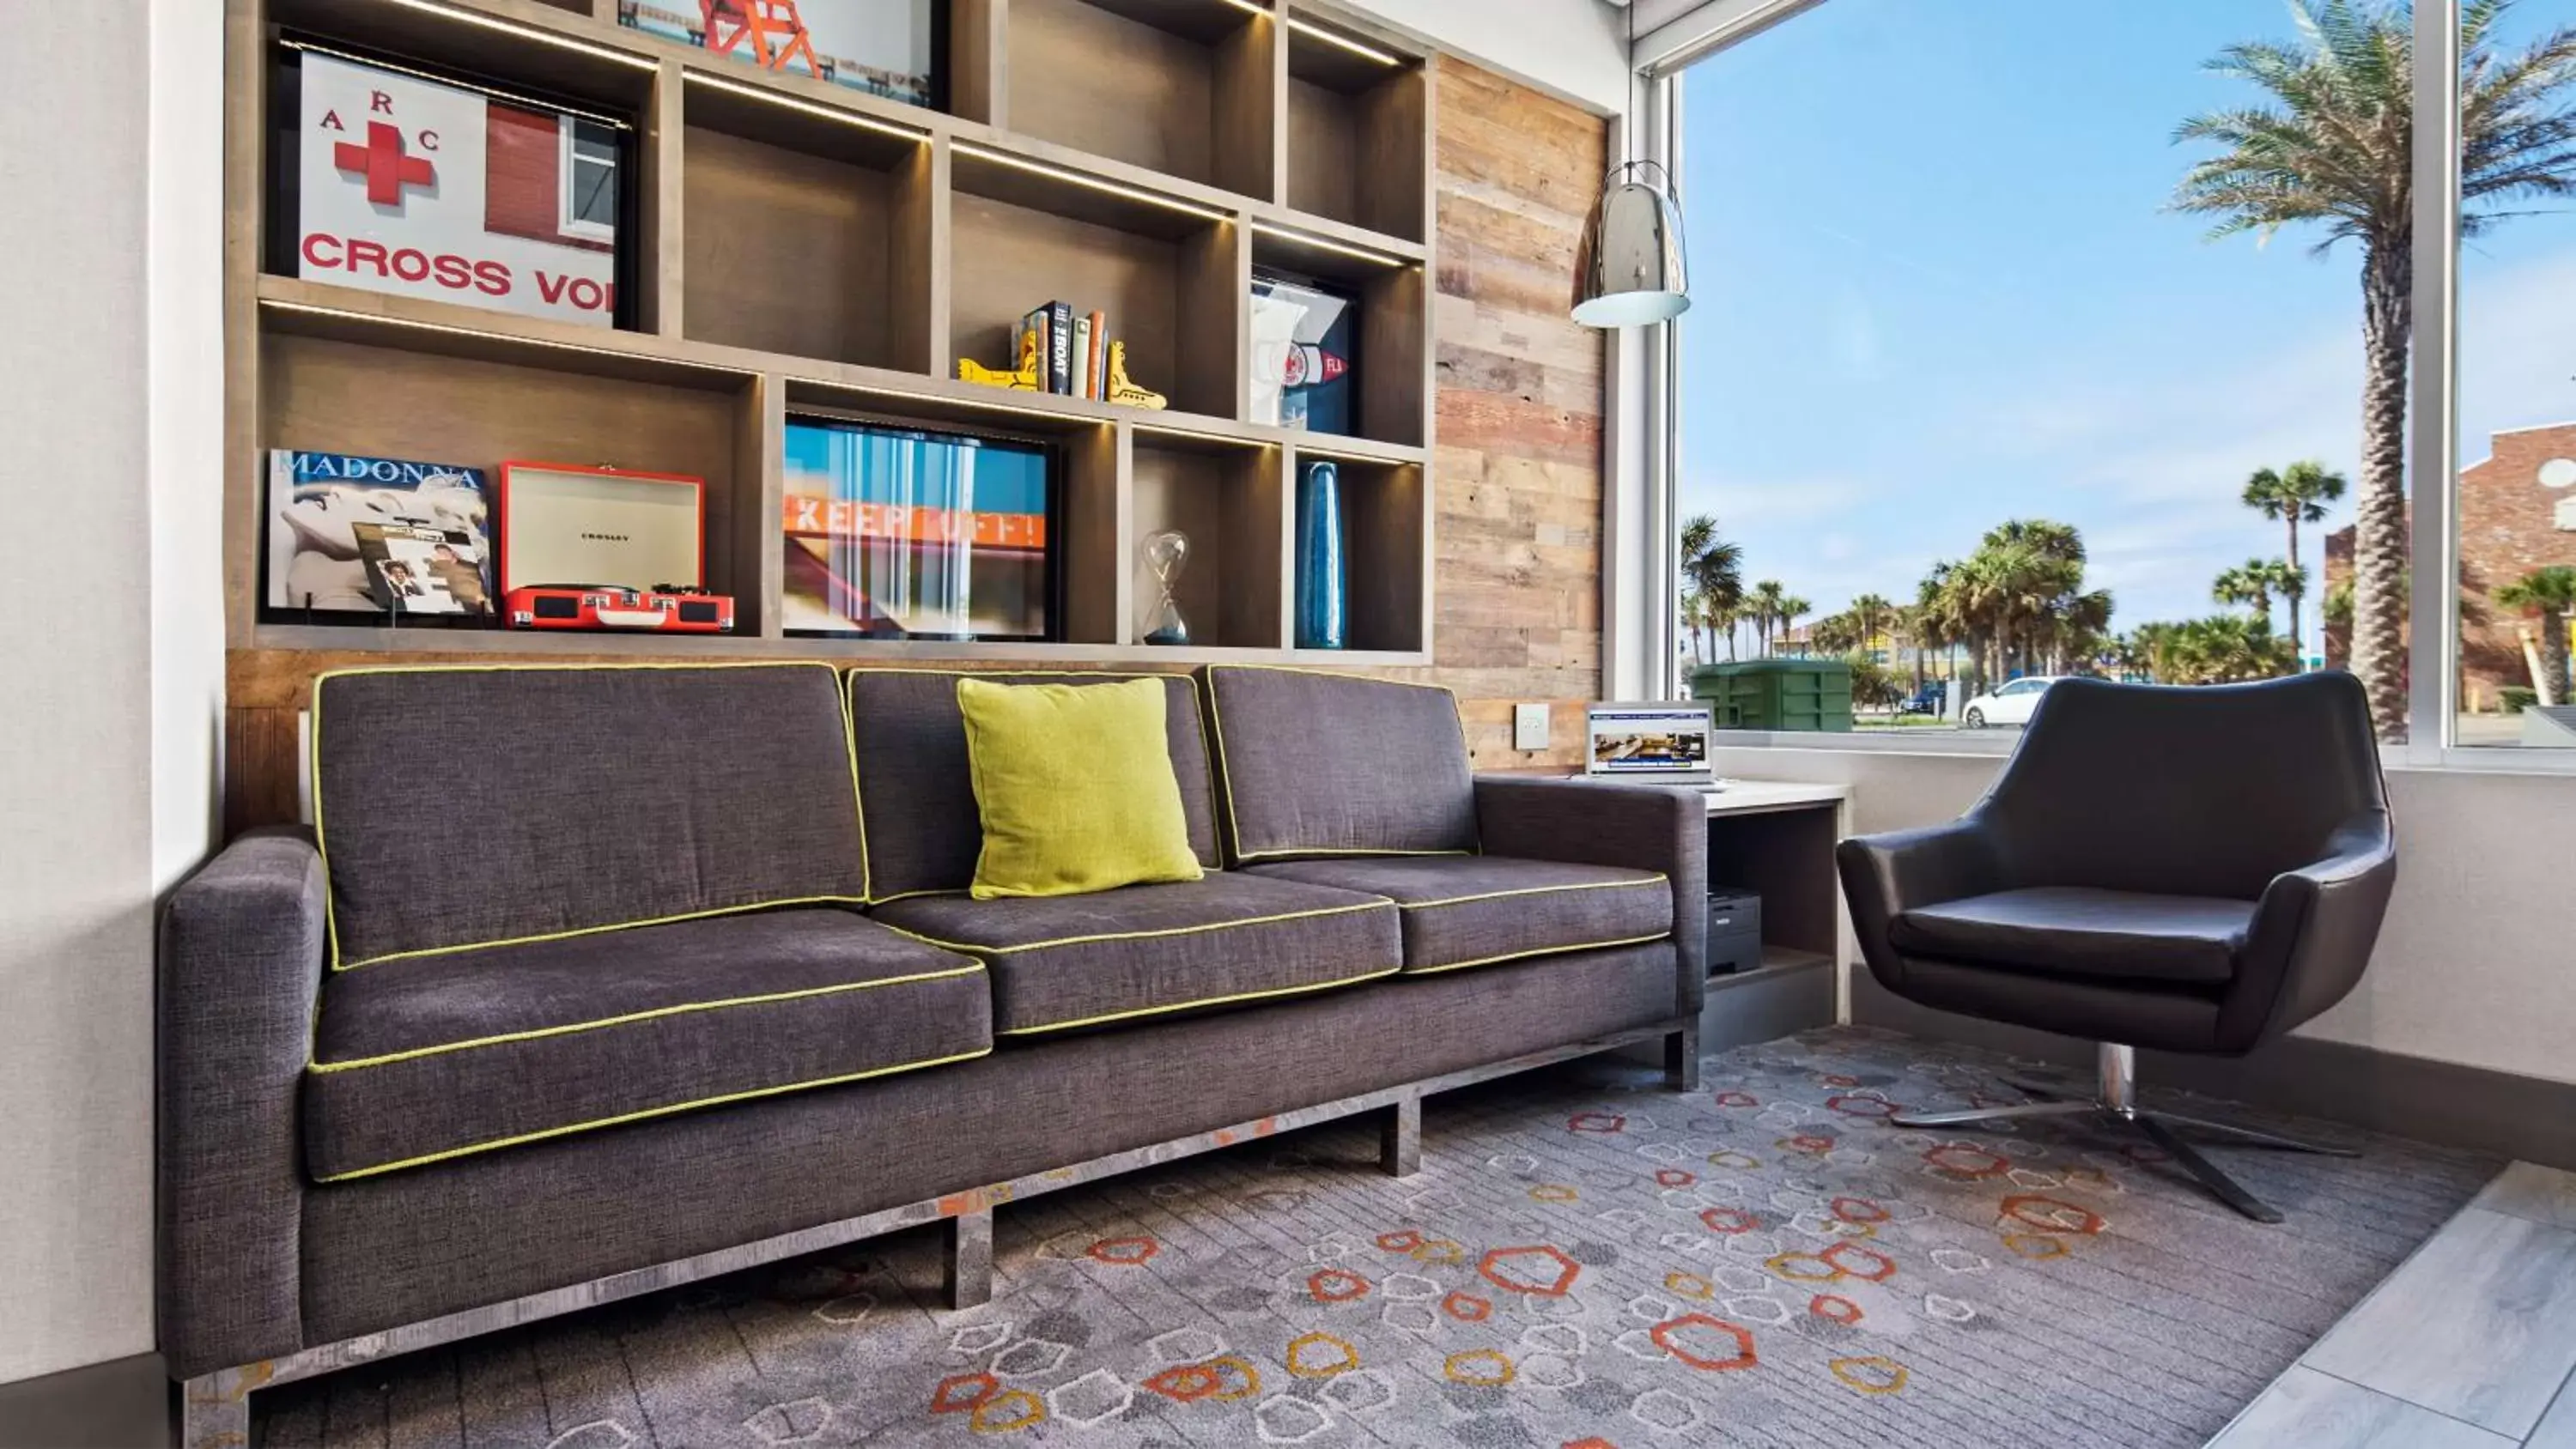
(593, 980)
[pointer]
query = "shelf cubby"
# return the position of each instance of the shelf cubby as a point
(1088, 475)
(451, 405)
(1179, 87)
(1229, 498)
(1393, 330)
(1384, 543)
(1357, 142)
(1170, 278)
(805, 236)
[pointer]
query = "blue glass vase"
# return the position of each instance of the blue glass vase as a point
(1323, 586)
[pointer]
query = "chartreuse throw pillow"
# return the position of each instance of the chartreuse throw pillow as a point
(1075, 786)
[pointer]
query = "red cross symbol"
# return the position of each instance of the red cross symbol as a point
(388, 169)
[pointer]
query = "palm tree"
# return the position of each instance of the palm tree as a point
(1712, 569)
(2332, 143)
(2256, 582)
(1791, 608)
(1762, 610)
(1871, 615)
(2550, 593)
(2294, 495)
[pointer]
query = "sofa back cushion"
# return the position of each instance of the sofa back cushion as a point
(1311, 763)
(910, 737)
(474, 805)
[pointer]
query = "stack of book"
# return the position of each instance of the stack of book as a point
(1072, 350)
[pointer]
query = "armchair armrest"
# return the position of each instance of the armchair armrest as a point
(1640, 827)
(242, 945)
(1887, 875)
(2312, 934)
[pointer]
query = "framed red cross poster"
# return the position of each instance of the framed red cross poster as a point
(399, 181)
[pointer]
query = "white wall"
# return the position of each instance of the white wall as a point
(75, 775)
(2477, 963)
(111, 500)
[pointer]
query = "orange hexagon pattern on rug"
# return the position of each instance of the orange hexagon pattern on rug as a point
(1859, 1211)
(1859, 1105)
(1967, 1159)
(1737, 1099)
(1709, 1344)
(1467, 1307)
(1336, 1285)
(1603, 1122)
(1502, 1264)
(1124, 1252)
(1185, 1383)
(1674, 1177)
(960, 1393)
(1834, 1308)
(1852, 1260)
(2051, 1215)
(1729, 1220)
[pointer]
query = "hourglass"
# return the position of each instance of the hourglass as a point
(1167, 553)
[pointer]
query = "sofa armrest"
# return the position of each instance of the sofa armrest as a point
(1886, 875)
(1641, 827)
(241, 966)
(2312, 934)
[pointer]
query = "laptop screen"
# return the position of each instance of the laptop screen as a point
(1651, 741)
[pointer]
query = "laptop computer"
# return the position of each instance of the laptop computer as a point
(1656, 743)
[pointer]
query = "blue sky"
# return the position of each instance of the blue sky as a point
(1934, 288)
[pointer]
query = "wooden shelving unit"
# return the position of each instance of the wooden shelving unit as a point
(806, 248)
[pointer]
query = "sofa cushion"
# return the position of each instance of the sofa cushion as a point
(1061, 962)
(469, 1051)
(1474, 910)
(910, 742)
(1317, 764)
(477, 804)
(2079, 931)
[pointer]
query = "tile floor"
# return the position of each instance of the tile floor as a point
(2470, 1344)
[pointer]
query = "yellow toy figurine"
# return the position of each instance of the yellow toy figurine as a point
(1123, 389)
(1022, 379)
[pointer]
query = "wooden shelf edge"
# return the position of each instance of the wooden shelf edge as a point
(537, 646)
(330, 310)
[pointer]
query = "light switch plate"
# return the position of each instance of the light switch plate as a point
(1529, 726)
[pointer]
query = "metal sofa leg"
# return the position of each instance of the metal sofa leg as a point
(1681, 1059)
(1399, 1142)
(969, 1266)
(214, 1409)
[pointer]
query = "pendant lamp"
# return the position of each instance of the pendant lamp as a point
(1629, 272)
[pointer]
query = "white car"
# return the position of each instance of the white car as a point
(2010, 705)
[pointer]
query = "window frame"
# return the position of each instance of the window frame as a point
(568, 159)
(2433, 626)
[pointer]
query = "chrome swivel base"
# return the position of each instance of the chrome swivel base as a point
(2115, 1104)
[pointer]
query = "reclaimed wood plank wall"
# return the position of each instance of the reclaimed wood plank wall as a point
(1516, 480)
(1517, 477)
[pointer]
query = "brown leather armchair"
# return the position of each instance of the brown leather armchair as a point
(2191, 870)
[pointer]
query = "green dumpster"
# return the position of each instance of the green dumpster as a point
(1778, 694)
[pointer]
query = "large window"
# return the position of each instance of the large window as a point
(2515, 499)
(2033, 340)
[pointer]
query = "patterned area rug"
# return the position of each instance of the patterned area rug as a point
(1585, 1259)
